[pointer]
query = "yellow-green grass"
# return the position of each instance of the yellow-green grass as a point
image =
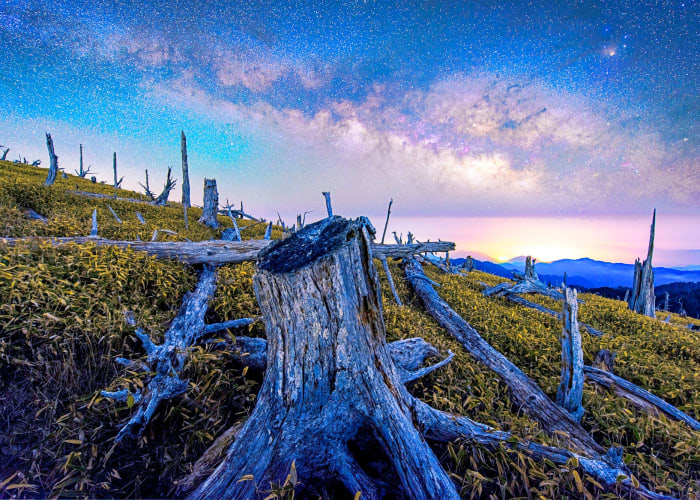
(61, 327)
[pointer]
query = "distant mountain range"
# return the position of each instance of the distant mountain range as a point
(587, 273)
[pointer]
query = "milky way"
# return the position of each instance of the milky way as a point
(456, 109)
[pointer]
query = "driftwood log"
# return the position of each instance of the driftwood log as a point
(642, 298)
(53, 162)
(331, 397)
(216, 252)
(570, 391)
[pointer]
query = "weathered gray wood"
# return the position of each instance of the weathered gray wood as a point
(329, 208)
(469, 264)
(666, 297)
(605, 360)
(639, 397)
(147, 189)
(211, 204)
(386, 224)
(524, 392)
(106, 196)
(82, 172)
(167, 360)
(162, 198)
(185, 173)
(216, 252)
(570, 391)
(53, 162)
(33, 215)
(117, 183)
(140, 218)
(331, 394)
(390, 279)
(114, 214)
(642, 300)
(530, 272)
(93, 230)
(231, 234)
(444, 427)
(4, 154)
(268, 231)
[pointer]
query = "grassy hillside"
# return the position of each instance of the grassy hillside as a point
(61, 327)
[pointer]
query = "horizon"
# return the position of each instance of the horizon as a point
(551, 131)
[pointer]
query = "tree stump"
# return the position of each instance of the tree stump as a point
(211, 204)
(331, 405)
(643, 299)
(530, 272)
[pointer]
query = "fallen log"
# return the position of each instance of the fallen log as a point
(216, 252)
(88, 194)
(331, 401)
(167, 360)
(641, 398)
(532, 305)
(524, 392)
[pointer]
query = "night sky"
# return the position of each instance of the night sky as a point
(551, 128)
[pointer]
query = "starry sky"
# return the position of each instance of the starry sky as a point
(550, 128)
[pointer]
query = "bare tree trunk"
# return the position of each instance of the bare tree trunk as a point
(642, 299)
(666, 302)
(53, 162)
(390, 279)
(331, 405)
(185, 173)
(4, 154)
(570, 392)
(211, 204)
(114, 167)
(386, 224)
(162, 198)
(329, 208)
(470, 263)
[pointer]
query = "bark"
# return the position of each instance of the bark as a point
(530, 272)
(469, 264)
(53, 162)
(524, 392)
(331, 402)
(117, 183)
(211, 204)
(4, 154)
(216, 252)
(570, 392)
(147, 189)
(167, 360)
(605, 360)
(642, 299)
(93, 230)
(641, 398)
(185, 171)
(268, 231)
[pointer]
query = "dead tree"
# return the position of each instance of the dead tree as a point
(147, 189)
(211, 204)
(268, 232)
(117, 183)
(232, 233)
(469, 264)
(667, 296)
(570, 392)
(93, 230)
(390, 280)
(162, 198)
(386, 224)
(530, 272)
(4, 154)
(82, 172)
(329, 208)
(642, 299)
(53, 165)
(185, 173)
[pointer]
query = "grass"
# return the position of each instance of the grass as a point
(61, 327)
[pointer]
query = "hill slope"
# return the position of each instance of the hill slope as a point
(61, 328)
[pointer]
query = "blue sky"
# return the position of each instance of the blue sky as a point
(547, 110)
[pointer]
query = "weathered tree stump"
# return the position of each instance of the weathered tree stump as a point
(570, 392)
(642, 299)
(53, 162)
(211, 204)
(331, 402)
(530, 272)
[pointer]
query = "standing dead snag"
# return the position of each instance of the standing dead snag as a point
(329, 208)
(211, 204)
(53, 162)
(642, 299)
(386, 224)
(117, 183)
(185, 173)
(82, 173)
(162, 198)
(530, 273)
(570, 392)
(331, 396)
